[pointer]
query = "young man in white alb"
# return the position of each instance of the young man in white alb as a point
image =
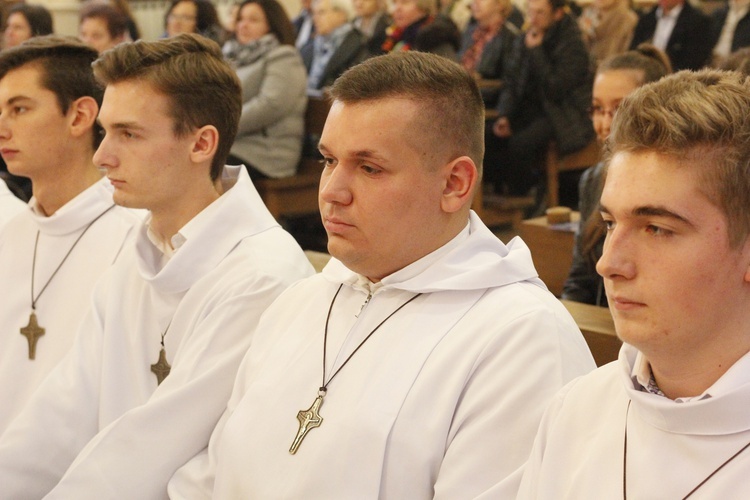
(669, 418)
(52, 252)
(419, 362)
(152, 366)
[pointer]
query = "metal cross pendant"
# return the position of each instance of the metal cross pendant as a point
(161, 368)
(308, 420)
(32, 332)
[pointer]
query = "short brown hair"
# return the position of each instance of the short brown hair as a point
(703, 119)
(189, 70)
(65, 69)
(452, 118)
(646, 59)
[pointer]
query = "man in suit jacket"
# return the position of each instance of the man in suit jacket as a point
(337, 44)
(680, 30)
(730, 27)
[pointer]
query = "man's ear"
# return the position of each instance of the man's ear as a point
(205, 144)
(82, 114)
(460, 182)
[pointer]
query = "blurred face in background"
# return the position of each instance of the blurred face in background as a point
(406, 12)
(17, 30)
(541, 16)
(610, 88)
(366, 8)
(251, 23)
(94, 32)
(487, 12)
(668, 5)
(325, 18)
(182, 19)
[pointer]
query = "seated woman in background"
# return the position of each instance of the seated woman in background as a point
(26, 21)
(487, 43)
(371, 20)
(269, 139)
(607, 27)
(416, 26)
(615, 79)
(194, 16)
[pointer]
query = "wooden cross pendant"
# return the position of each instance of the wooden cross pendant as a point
(308, 420)
(32, 332)
(161, 368)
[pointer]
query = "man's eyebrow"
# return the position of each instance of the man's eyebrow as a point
(122, 125)
(651, 211)
(17, 98)
(363, 153)
(366, 153)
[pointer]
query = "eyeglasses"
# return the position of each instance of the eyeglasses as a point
(601, 112)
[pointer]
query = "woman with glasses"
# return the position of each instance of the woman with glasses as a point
(194, 16)
(615, 78)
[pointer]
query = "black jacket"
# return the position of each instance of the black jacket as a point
(553, 80)
(352, 50)
(497, 52)
(691, 41)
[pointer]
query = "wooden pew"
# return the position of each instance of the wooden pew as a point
(551, 249)
(598, 329)
(298, 194)
(580, 160)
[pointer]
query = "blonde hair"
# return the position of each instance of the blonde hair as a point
(703, 119)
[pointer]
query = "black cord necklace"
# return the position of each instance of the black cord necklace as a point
(310, 418)
(33, 331)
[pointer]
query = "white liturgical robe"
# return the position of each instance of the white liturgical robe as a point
(62, 305)
(443, 400)
(9, 204)
(672, 446)
(100, 426)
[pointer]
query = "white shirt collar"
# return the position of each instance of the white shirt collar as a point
(167, 248)
(673, 14)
